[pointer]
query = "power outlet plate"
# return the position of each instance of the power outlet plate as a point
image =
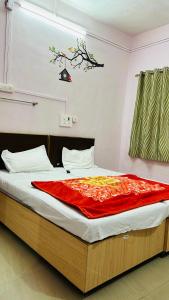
(65, 120)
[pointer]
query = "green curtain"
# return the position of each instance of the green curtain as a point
(150, 129)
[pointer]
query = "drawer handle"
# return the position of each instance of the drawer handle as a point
(125, 237)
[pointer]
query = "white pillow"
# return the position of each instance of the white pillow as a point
(32, 160)
(75, 159)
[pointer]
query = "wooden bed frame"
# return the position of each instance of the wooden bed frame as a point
(85, 265)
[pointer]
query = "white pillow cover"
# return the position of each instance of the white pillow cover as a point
(32, 160)
(78, 159)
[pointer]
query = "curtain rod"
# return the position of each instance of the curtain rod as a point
(21, 101)
(151, 72)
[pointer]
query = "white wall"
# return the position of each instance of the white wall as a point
(150, 51)
(96, 97)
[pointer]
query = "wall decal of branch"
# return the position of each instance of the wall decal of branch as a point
(80, 56)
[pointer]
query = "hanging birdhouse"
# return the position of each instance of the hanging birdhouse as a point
(65, 76)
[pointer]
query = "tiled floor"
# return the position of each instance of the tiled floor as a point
(25, 276)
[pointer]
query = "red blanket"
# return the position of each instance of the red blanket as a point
(101, 196)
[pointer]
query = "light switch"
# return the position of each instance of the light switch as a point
(74, 119)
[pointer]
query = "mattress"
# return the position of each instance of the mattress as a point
(18, 186)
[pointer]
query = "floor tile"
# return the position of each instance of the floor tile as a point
(161, 293)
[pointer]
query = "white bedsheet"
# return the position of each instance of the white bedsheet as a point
(166, 203)
(18, 185)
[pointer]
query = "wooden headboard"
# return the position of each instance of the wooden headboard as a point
(16, 142)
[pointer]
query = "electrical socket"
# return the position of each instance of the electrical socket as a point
(65, 120)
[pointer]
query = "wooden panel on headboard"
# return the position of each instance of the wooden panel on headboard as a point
(58, 142)
(16, 142)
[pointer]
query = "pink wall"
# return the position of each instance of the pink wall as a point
(101, 99)
(2, 39)
(96, 97)
(153, 53)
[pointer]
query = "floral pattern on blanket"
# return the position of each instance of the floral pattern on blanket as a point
(102, 188)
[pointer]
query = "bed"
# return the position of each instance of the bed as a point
(87, 252)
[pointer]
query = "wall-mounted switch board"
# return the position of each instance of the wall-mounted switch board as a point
(65, 120)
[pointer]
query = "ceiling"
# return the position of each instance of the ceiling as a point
(130, 16)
